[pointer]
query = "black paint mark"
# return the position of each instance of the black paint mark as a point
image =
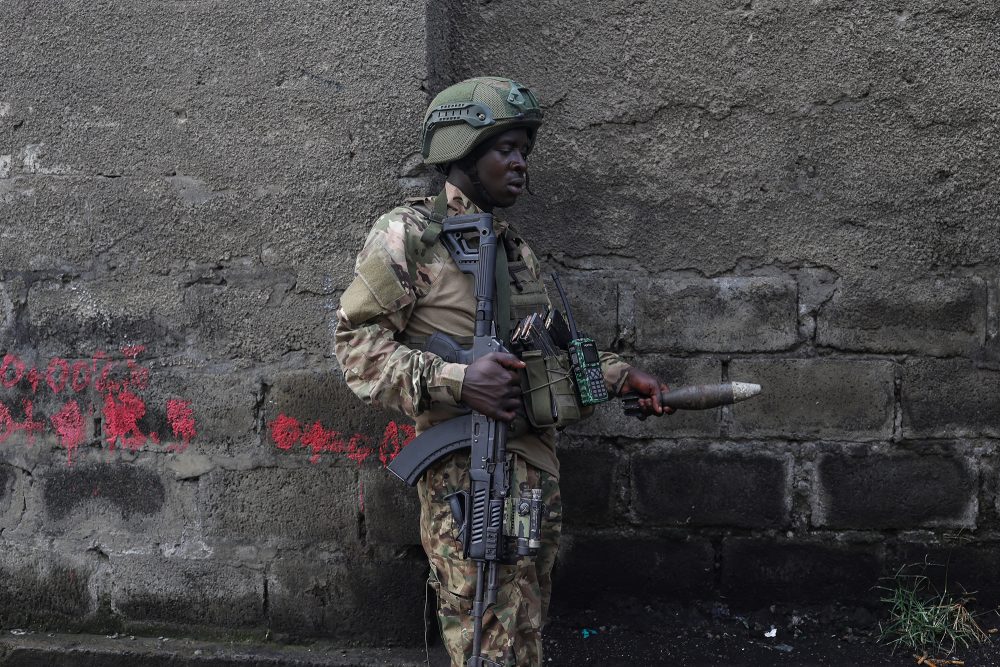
(131, 490)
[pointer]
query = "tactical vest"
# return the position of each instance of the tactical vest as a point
(550, 398)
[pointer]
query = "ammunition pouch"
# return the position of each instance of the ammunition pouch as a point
(550, 399)
(550, 396)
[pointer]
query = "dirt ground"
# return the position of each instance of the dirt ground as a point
(629, 633)
(715, 634)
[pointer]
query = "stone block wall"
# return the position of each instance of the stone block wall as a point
(795, 193)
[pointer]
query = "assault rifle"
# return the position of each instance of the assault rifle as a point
(493, 527)
(484, 511)
(422, 452)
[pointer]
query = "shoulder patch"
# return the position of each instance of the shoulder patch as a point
(377, 289)
(396, 236)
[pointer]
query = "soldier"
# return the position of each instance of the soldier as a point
(478, 133)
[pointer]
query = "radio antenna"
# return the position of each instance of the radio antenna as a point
(565, 303)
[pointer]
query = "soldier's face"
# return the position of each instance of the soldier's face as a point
(503, 169)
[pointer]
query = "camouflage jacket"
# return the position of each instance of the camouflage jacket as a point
(405, 287)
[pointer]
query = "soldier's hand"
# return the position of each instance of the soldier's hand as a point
(646, 385)
(492, 386)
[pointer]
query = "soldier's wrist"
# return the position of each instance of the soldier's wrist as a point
(450, 380)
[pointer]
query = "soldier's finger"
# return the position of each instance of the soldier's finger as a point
(507, 360)
(512, 392)
(503, 376)
(663, 390)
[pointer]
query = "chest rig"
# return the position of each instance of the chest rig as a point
(519, 293)
(550, 398)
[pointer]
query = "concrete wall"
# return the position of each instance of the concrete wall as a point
(797, 193)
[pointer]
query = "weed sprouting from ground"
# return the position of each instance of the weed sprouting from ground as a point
(922, 617)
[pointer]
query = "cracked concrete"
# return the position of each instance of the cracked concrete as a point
(793, 192)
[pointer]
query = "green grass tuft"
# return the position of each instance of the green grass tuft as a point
(924, 618)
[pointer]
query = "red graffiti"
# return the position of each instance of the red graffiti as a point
(29, 424)
(118, 383)
(358, 448)
(10, 360)
(393, 440)
(81, 375)
(104, 383)
(33, 380)
(122, 415)
(6, 423)
(319, 440)
(50, 378)
(287, 432)
(181, 418)
(138, 376)
(68, 423)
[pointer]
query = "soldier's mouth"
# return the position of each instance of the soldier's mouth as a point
(516, 187)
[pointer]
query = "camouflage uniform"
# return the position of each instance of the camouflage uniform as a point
(512, 627)
(406, 289)
(389, 374)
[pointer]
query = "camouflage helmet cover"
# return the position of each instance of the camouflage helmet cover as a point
(471, 111)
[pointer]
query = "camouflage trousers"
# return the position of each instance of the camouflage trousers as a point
(512, 628)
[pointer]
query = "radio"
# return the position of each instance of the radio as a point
(584, 358)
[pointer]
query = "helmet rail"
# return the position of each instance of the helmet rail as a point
(465, 114)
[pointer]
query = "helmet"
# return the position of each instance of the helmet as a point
(467, 113)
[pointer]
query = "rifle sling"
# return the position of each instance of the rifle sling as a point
(501, 314)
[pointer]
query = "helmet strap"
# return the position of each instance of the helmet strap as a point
(484, 196)
(467, 166)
